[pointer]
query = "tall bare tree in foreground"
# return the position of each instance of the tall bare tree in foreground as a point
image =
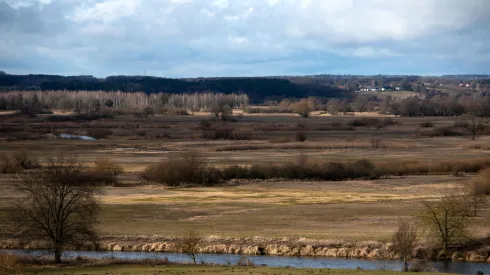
(404, 240)
(446, 219)
(59, 205)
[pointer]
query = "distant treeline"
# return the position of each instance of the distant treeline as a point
(34, 102)
(258, 89)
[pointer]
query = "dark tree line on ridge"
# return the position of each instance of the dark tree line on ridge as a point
(258, 89)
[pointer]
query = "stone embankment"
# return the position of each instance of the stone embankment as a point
(270, 246)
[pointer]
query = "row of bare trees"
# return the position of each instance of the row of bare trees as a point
(90, 101)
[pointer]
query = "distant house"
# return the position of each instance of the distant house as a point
(467, 85)
(366, 89)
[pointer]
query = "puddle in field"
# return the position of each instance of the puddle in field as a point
(70, 136)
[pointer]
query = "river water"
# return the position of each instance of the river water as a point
(275, 261)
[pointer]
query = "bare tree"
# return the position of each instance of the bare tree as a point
(473, 123)
(404, 240)
(446, 219)
(189, 243)
(59, 205)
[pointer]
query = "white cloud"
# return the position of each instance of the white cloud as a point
(373, 52)
(237, 39)
(107, 11)
(16, 4)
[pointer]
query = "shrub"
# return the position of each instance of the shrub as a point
(372, 122)
(269, 110)
(177, 112)
(301, 136)
(204, 124)
(235, 172)
(336, 126)
(361, 169)
(364, 122)
(480, 185)
(25, 161)
(460, 124)
(189, 168)
(79, 117)
(442, 132)
(99, 133)
(13, 164)
(226, 133)
(420, 168)
(303, 107)
(426, 124)
(281, 139)
(106, 172)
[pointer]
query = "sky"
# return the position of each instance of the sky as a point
(202, 38)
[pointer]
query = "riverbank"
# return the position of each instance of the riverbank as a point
(478, 252)
(197, 269)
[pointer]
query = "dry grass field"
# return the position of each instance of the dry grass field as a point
(357, 210)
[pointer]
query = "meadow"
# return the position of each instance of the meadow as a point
(350, 210)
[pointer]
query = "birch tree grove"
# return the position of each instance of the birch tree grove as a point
(90, 101)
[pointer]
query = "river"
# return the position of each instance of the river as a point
(275, 261)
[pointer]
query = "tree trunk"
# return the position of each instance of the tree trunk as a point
(405, 265)
(57, 255)
(193, 258)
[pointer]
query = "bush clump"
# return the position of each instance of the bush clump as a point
(105, 172)
(371, 122)
(79, 117)
(226, 133)
(268, 110)
(301, 136)
(188, 169)
(426, 124)
(442, 132)
(303, 170)
(99, 133)
(17, 162)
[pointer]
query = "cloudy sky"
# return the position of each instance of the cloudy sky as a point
(188, 38)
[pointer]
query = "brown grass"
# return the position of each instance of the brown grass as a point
(485, 147)
(480, 185)
(9, 264)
